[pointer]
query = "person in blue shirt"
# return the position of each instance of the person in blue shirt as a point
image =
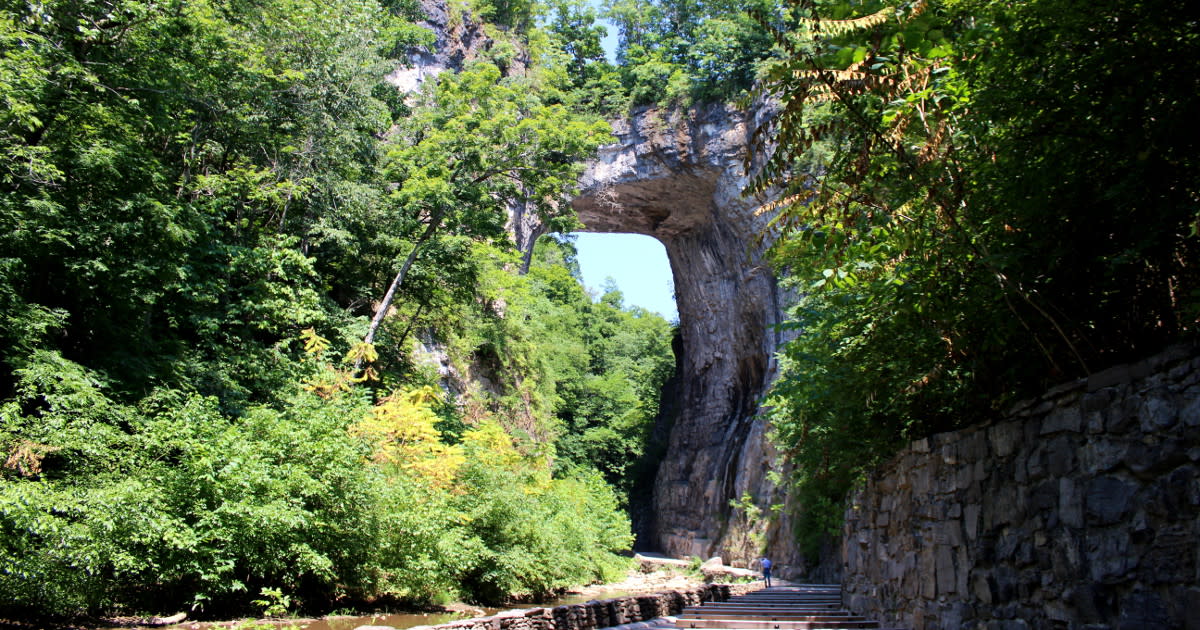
(766, 570)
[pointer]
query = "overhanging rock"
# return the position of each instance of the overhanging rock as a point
(678, 176)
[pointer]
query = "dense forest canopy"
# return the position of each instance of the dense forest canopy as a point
(981, 199)
(264, 339)
(669, 53)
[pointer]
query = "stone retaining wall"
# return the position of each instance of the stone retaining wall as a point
(1078, 511)
(605, 613)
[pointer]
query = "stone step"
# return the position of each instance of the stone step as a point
(763, 609)
(774, 596)
(787, 599)
(771, 605)
(758, 614)
(784, 597)
(838, 616)
(767, 601)
(792, 607)
(812, 588)
(775, 590)
(776, 608)
(738, 603)
(750, 624)
(799, 610)
(801, 587)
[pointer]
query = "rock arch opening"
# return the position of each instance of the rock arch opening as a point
(678, 177)
(636, 263)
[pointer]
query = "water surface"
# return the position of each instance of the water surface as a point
(395, 620)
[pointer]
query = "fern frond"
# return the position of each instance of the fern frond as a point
(837, 28)
(934, 145)
(843, 89)
(778, 35)
(828, 75)
(914, 81)
(766, 136)
(895, 135)
(780, 203)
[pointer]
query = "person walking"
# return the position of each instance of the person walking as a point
(766, 570)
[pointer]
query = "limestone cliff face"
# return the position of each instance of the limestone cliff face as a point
(459, 38)
(678, 176)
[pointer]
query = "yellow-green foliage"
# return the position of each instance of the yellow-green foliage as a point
(204, 205)
(170, 502)
(401, 432)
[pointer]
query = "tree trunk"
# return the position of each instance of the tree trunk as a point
(434, 223)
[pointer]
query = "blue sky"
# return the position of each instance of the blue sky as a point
(637, 263)
(609, 43)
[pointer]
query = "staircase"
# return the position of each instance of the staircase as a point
(800, 607)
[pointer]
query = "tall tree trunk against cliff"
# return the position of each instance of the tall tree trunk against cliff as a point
(435, 222)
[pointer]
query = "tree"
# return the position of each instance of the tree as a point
(199, 198)
(573, 22)
(209, 153)
(474, 146)
(955, 176)
(682, 51)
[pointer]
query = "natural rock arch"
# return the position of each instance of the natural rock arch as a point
(678, 176)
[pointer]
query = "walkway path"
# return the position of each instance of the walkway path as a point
(797, 607)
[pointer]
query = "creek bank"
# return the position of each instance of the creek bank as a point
(656, 576)
(597, 614)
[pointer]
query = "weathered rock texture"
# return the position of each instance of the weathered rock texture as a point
(604, 613)
(678, 176)
(1082, 510)
(458, 38)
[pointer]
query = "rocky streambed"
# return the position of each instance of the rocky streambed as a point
(672, 581)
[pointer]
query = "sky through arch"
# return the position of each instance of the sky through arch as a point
(637, 263)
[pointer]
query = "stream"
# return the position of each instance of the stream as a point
(395, 620)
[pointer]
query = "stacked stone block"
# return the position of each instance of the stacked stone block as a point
(604, 613)
(1080, 510)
